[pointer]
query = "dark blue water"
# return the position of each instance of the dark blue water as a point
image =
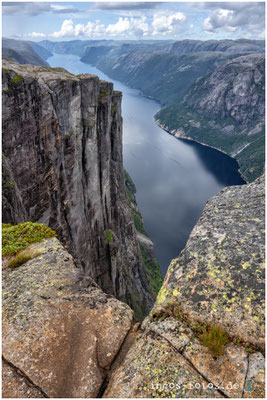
(174, 178)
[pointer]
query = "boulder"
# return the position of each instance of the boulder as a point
(61, 333)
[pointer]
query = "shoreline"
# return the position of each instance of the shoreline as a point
(169, 132)
(180, 136)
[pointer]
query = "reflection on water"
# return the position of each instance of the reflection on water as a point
(174, 177)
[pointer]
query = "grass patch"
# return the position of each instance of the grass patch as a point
(109, 236)
(21, 258)
(214, 338)
(16, 238)
(16, 78)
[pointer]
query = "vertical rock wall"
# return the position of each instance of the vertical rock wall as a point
(62, 145)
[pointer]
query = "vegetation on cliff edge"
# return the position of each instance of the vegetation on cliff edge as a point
(16, 238)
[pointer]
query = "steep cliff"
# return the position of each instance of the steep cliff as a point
(226, 110)
(62, 145)
(205, 335)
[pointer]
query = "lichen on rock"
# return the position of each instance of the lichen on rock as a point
(59, 329)
(218, 280)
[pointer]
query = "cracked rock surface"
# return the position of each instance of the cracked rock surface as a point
(60, 331)
(218, 278)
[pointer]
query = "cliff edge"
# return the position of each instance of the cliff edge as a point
(62, 152)
(205, 335)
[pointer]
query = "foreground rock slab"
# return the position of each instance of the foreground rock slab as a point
(60, 330)
(218, 280)
(220, 275)
(153, 368)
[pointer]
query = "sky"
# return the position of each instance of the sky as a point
(59, 21)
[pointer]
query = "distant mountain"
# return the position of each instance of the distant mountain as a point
(22, 52)
(227, 46)
(165, 70)
(41, 51)
(78, 47)
(226, 110)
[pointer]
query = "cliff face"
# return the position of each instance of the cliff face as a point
(63, 161)
(225, 109)
(236, 90)
(215, 285)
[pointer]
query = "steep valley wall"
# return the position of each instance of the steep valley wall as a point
(62, 166)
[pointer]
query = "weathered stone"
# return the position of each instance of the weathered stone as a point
(219, 276)
(218, 279)
(153, 368)
(59, 329)
(15, 385)
(176, 333)
(227, 372)
(62, 145)
(255, 380)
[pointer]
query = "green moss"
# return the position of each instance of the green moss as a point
(18, 237)
(138, 222)
(114, 108)
(102, 95)
(109, 236)
(152, 269)
(9, 185)
(214, 338)
(6, 70)
(16, 78)
(69, 134)
(21, 258)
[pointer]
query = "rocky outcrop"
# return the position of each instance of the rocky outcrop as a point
(61, 333)
(62, 145)
(226, 110)
(216, 283)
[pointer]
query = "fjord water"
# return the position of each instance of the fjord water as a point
(174, 178)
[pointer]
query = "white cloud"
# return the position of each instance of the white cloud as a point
(124, 27)
(243, 17)
(120, 27)
(69, 29)
(168, 24)
(129, 26)
(36, 35)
